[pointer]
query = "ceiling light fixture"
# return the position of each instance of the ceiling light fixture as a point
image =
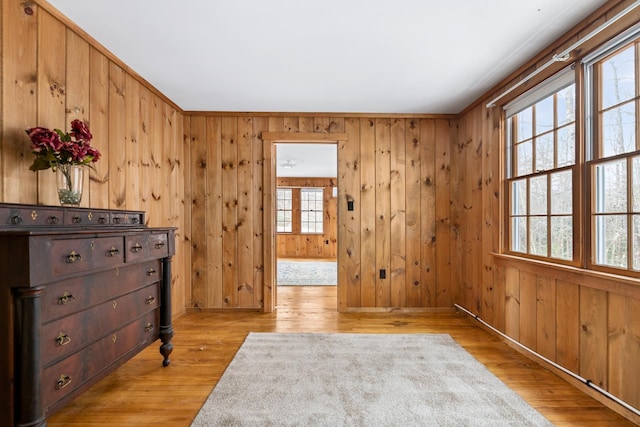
(288, 163)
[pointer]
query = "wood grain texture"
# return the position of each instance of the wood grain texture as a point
(136, 393)
(383, 173)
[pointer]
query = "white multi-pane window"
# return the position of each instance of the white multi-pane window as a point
(577, 201)
(311, 210)
(541, 163)
(284, 210)
(614, 161)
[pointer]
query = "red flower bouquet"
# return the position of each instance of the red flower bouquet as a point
(54, 148)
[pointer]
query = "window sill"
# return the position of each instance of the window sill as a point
(617, 284)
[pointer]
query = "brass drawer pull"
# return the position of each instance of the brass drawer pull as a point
(151, 272)
(135, 220)
(66, 298)
(73, 257)
(76, 220)
(148, 327)
(113, 251)
(116, 220)
(63, 339)
(136, 248)
(53, 220)
(150, 300)
(159, 245)
(64, 381)
(102, 220)
(16, 219)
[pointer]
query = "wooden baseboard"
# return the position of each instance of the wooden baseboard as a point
(401, 310)
(530, 354)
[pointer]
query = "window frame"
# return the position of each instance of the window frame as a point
(589, 140)
(592, 66)
(297, 211)
(278, 210)
(553, 85)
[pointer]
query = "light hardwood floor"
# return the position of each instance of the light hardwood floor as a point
(142, 393)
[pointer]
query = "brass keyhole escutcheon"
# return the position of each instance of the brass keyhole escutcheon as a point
(90, 216)
(114, 338)
(93, 245)
(34, 215)
(114, 304)
(117, 272)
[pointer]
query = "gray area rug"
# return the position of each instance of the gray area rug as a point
(301, 273)
(279, 379)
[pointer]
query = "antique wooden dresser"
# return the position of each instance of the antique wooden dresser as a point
(82, 291)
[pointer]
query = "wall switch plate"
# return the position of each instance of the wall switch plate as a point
(383, 273)
(349, 205)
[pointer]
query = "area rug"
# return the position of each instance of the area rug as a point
(279, 379)
(306, 273)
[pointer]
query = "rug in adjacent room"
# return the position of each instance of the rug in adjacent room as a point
(307, 273)
(318, 379)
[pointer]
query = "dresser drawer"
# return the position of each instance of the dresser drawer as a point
(69, 256)
(127, 218)
(29, 217)
(71, 296)
(62, 337)
(146, 246)
(69, 374)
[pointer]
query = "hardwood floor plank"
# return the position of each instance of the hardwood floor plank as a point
(142, 393)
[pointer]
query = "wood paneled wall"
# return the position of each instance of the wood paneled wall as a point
(53, 73)
(395, 170)
(311, 245)
(584, 321)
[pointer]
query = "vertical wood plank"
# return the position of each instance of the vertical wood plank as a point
(427, 212)
(19, 101)
(528, 310)
(568, 325)
(593, 336)
(336, 124)
(398, 214)
(442, 153)
(367, 213)
(187, 231)
(383, 211)
(546, 317)
(230, 211)
(51, 92)
(213, 206)
(512, 303)
(147, 167)
(245, 214)
(157, 124)
(414, 286)
(259, 124)
(268, 191)
(624, 348)
(199, 212)
(77, 93)
(132, 149)
(99, 122)
(321, 124)
(291, 124)
(349, 283)
(491, 208)
(117, 137)
(306, 124)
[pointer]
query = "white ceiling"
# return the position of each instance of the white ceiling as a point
(367, 56)
(307, 160)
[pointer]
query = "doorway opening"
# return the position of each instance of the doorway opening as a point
(287, 219)
(306, 214)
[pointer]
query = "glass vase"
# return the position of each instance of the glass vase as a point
(70, 179)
